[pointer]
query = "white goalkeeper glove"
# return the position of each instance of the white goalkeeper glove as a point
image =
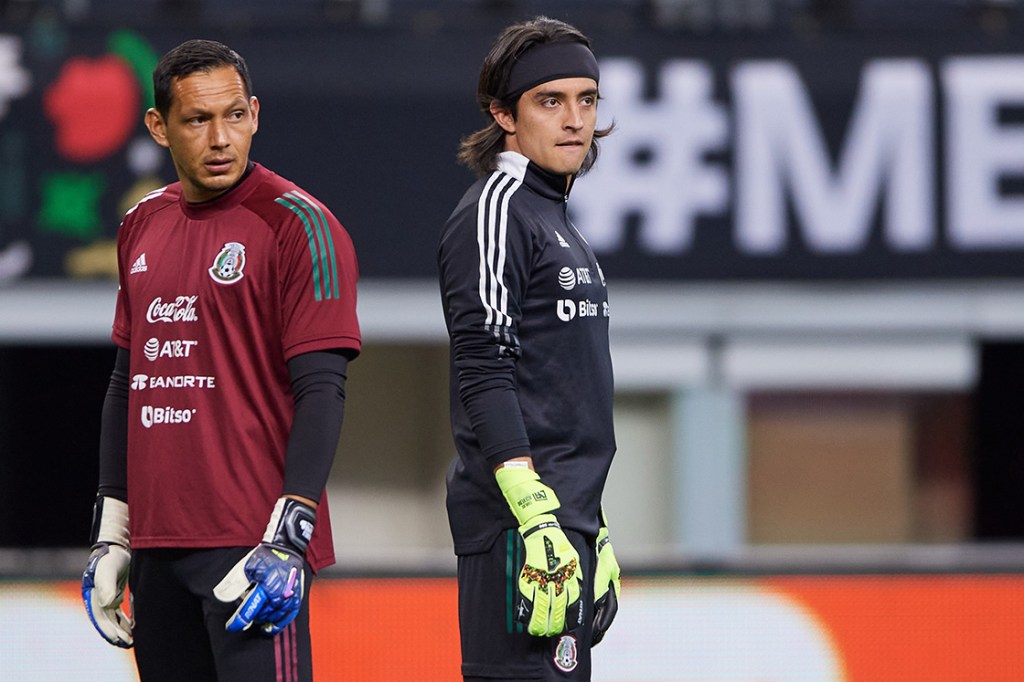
(269, 579)
(106, 573)
(550, 580)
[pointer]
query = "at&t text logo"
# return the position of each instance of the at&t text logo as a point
(175, 348)
(569, 278)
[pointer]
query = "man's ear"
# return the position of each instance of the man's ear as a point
(503, 117)
(254, 107)
(157, 127)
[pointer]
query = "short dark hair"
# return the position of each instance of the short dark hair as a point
(479, 150)
(188, 58)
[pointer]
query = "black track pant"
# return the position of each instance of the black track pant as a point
(179, 624)
(494, 645)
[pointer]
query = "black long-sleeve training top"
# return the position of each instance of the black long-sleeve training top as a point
(527, 314)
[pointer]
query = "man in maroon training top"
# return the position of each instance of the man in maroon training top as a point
(235, 321)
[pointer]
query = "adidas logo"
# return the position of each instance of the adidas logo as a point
(561, 240)
(139, 265)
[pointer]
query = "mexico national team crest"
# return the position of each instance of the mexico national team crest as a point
(228, 264)
(565, 653)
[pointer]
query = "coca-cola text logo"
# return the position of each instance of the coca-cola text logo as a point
(181, 309)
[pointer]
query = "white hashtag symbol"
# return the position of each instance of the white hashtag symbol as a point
(655, 163)
(14, 80)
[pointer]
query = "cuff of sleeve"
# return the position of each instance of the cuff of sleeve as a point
(527, 497)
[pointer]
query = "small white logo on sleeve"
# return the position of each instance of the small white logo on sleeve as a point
(139, 265)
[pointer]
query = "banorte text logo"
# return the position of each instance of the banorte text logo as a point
(181, 309)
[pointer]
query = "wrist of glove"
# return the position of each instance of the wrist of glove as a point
(606, 586)
(269, 580)
(550, 581)
(106, 572)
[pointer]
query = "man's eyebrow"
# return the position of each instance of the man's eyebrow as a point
(540, 94)
(240, 103)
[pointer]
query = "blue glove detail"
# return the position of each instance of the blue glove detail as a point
(106, 572)
(269, 580)
(103, 584)
(276, 588)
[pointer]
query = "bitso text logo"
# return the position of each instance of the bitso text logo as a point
(154, 416)
(569, 309)
(566, 309)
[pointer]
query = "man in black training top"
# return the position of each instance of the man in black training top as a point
(531, 377)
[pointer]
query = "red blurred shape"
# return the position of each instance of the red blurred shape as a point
(94, 106)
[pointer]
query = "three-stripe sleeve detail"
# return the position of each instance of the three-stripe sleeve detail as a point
(491, 236)
(321, 244)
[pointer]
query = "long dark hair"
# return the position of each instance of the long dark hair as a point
(188, 58)
(479, 150)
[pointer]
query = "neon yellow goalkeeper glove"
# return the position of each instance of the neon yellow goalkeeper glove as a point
(550, 581)
(606, 585)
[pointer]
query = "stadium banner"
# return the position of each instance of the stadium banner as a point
(796, 628)
(778, 155)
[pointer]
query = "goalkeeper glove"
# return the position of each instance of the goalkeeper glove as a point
(550, 581)
(269, 579)
(106, 572)
(606, 585)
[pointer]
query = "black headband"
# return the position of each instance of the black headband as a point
(545, 62)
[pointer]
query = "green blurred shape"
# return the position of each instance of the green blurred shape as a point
(70, 204)
(140, 55)
(47, 36)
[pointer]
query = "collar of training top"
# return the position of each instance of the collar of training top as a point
(545, 62)
(543, 182)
